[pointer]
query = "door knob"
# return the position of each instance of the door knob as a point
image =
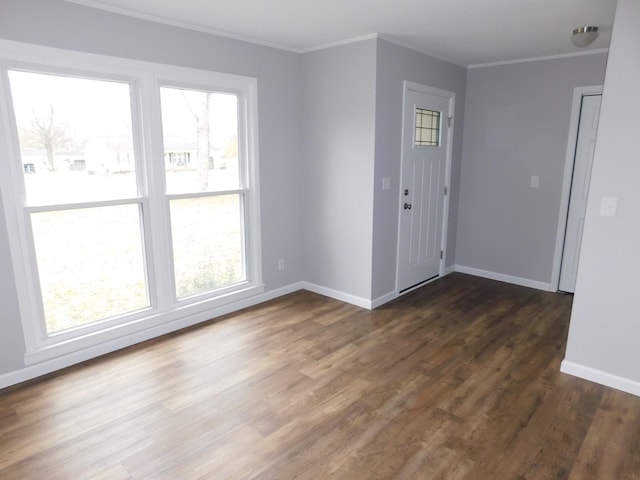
(407, 206)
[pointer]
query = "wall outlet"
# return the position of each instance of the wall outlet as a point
(281, 264)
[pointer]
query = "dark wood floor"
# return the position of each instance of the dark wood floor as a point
(458, 380)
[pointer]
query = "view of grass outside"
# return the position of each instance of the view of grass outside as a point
(90, 262)
(213, 258)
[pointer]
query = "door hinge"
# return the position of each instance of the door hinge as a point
(441, 254)
(445, 190)
(449, 120)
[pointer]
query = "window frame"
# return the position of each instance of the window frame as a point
(145, 80)
(243, 181)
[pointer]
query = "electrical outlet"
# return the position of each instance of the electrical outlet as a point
(281, 264)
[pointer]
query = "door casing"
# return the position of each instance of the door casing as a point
(574, 123)
(450, 96)
(587, 131)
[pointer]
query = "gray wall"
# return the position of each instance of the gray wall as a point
(339, 135)
(323, 147)
(394, 65)
(353, 118)
(516, 126)
(60, 24)
(330, 129)
(605, 323)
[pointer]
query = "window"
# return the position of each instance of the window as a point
(204, 193)
(81, 196)
(427, 128)
(133, 191)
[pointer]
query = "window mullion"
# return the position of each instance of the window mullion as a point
(77, 205)
(243, 132)
(220, 193)
(251, 198)
(157, 226)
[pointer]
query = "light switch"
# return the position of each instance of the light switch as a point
(535, 181)
(608, 206)
(386, 183)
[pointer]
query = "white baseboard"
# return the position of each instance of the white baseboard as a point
(359, 301)
(524, 282)
(448, 270)
(377, 302)
(348, 298)
(338, 295)
(42, 368)
(600, 377)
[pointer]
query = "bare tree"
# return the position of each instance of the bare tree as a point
(200, 112)
(48, 133)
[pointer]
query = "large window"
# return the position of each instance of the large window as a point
(79, 174)
(130, 192)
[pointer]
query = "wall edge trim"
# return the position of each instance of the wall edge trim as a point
(338, 295)
(538, 59)
(501, 277)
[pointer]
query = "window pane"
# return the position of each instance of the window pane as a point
(200, 131)
(75, 138)
(427, 128)
(90, 263)
(207, 243)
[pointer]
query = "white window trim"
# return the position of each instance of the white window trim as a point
(146, 78)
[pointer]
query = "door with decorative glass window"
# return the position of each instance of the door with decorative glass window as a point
(426, 130)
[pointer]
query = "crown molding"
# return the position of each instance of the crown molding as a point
(539, 59)
(388, 38)
(186, 25)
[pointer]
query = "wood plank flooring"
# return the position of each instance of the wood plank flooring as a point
(457, 380)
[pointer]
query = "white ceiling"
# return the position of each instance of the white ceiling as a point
(464, 32)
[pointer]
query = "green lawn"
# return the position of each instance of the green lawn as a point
(91, 262)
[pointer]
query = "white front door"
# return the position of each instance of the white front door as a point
(585, 144)
(425, 148)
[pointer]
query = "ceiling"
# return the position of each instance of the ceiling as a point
(463, 32)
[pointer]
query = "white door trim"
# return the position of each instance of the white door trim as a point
(574, 123)
(451, 96)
